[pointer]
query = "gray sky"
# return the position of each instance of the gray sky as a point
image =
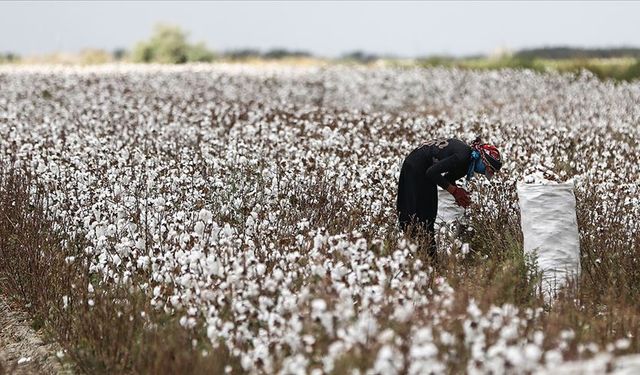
(327, 28)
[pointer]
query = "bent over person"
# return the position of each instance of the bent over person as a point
(439, 163)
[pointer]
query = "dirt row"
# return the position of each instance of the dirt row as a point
(24, 350)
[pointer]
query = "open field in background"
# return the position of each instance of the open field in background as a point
(241, 218)
(618, 69)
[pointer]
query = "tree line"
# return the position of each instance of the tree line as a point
(170, 44)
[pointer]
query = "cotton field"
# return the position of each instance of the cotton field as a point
(258, 203)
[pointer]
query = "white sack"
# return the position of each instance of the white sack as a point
(550, 229)
(448, 211)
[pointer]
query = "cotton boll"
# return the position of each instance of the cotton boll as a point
(159, 204)
(205, 216)
(532, 353)
(199, 228)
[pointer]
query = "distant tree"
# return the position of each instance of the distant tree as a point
(436, 60)
(280, 53)
(577, 53)
(360, 56)
(9, 57)
(119, 54)
(199, 53)
(241, 54)
(168, 45)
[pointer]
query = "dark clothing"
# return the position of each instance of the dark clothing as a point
(441, 163)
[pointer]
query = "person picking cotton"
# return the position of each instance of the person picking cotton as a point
(439, 163)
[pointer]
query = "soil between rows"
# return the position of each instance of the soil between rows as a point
(19, 342)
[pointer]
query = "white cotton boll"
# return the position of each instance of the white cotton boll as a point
(116, 260)
(53, 167)
(318, 270)
(140, 244)
(426, 350)
(246, 362)
(567, 335)
(388, 361)
(289, 303)
(538, 338)
(403, 313)
(532, 353)
(227, 231)
(278, 275)
(318, 305)
(295, 365)
(623, 344)
(553, 358)
(41, 168)
(237, 203)
(208, 295)
(447, 338)
(473, 310)
(117, 190)
(184, 239)
(509, 332)
(514, 356)
(464, 249)
(260, 269)
(318, 241)
(205, 215)
(199, 228)
(158, 204)
(214, 268)
(386, 336)
(212, 333)
(250, 222)
(23, 360)
(175, 300)
(143, 262)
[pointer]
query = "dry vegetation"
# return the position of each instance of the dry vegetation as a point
(230, 218)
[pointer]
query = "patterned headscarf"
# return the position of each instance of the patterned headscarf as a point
(489, 155)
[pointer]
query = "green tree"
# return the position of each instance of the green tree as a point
(168, 45)
(199, 53)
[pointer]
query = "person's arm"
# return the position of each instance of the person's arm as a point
(448, 164)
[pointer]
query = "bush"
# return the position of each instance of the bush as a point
(281, 53)
(168, 45)
(8, 57)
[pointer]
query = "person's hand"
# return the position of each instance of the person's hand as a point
(462, 197)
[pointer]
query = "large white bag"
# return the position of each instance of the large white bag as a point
(550, 229)
(449, 213)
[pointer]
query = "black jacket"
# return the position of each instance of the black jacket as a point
(443, 161)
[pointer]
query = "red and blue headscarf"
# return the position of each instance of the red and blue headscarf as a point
(483, 155)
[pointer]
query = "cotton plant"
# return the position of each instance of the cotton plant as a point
(191, 178)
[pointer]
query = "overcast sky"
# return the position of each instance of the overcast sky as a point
(327, 28)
